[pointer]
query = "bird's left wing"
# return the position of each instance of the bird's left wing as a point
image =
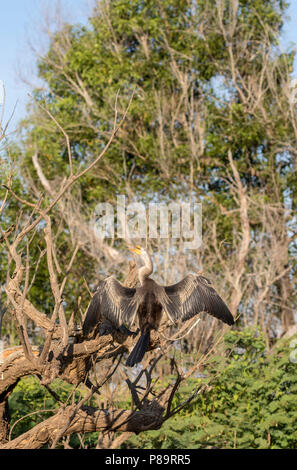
(111, 301)
(192, 295)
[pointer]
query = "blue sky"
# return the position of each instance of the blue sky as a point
(20, 21)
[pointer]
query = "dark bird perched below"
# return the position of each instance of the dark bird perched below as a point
(119, 304)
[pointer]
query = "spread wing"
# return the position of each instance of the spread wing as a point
(111, 301)
(192, 295)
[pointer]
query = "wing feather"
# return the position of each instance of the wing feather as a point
(192, 295)
(111, 301)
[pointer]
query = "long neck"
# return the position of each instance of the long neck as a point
(145, 270)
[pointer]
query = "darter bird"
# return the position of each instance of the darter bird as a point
(181, 301)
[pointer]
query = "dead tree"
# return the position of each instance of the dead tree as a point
(74, 361)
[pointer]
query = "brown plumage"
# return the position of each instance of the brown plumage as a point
(119, 305)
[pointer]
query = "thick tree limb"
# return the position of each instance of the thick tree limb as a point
(87, 419)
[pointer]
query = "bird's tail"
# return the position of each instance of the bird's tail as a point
(139, 349)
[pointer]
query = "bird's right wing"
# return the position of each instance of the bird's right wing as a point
(111, 301)
(192, 295)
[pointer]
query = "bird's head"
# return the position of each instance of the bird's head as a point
(138, 250)
(147, 269)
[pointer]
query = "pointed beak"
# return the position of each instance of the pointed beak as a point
(136, 250)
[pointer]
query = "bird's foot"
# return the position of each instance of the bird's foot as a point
(123, 329)
(105, 329)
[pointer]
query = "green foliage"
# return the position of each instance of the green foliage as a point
(27, 398)
(137, 46)
(145, 45)
(31, 403)
(250, 403)
(149, 45)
